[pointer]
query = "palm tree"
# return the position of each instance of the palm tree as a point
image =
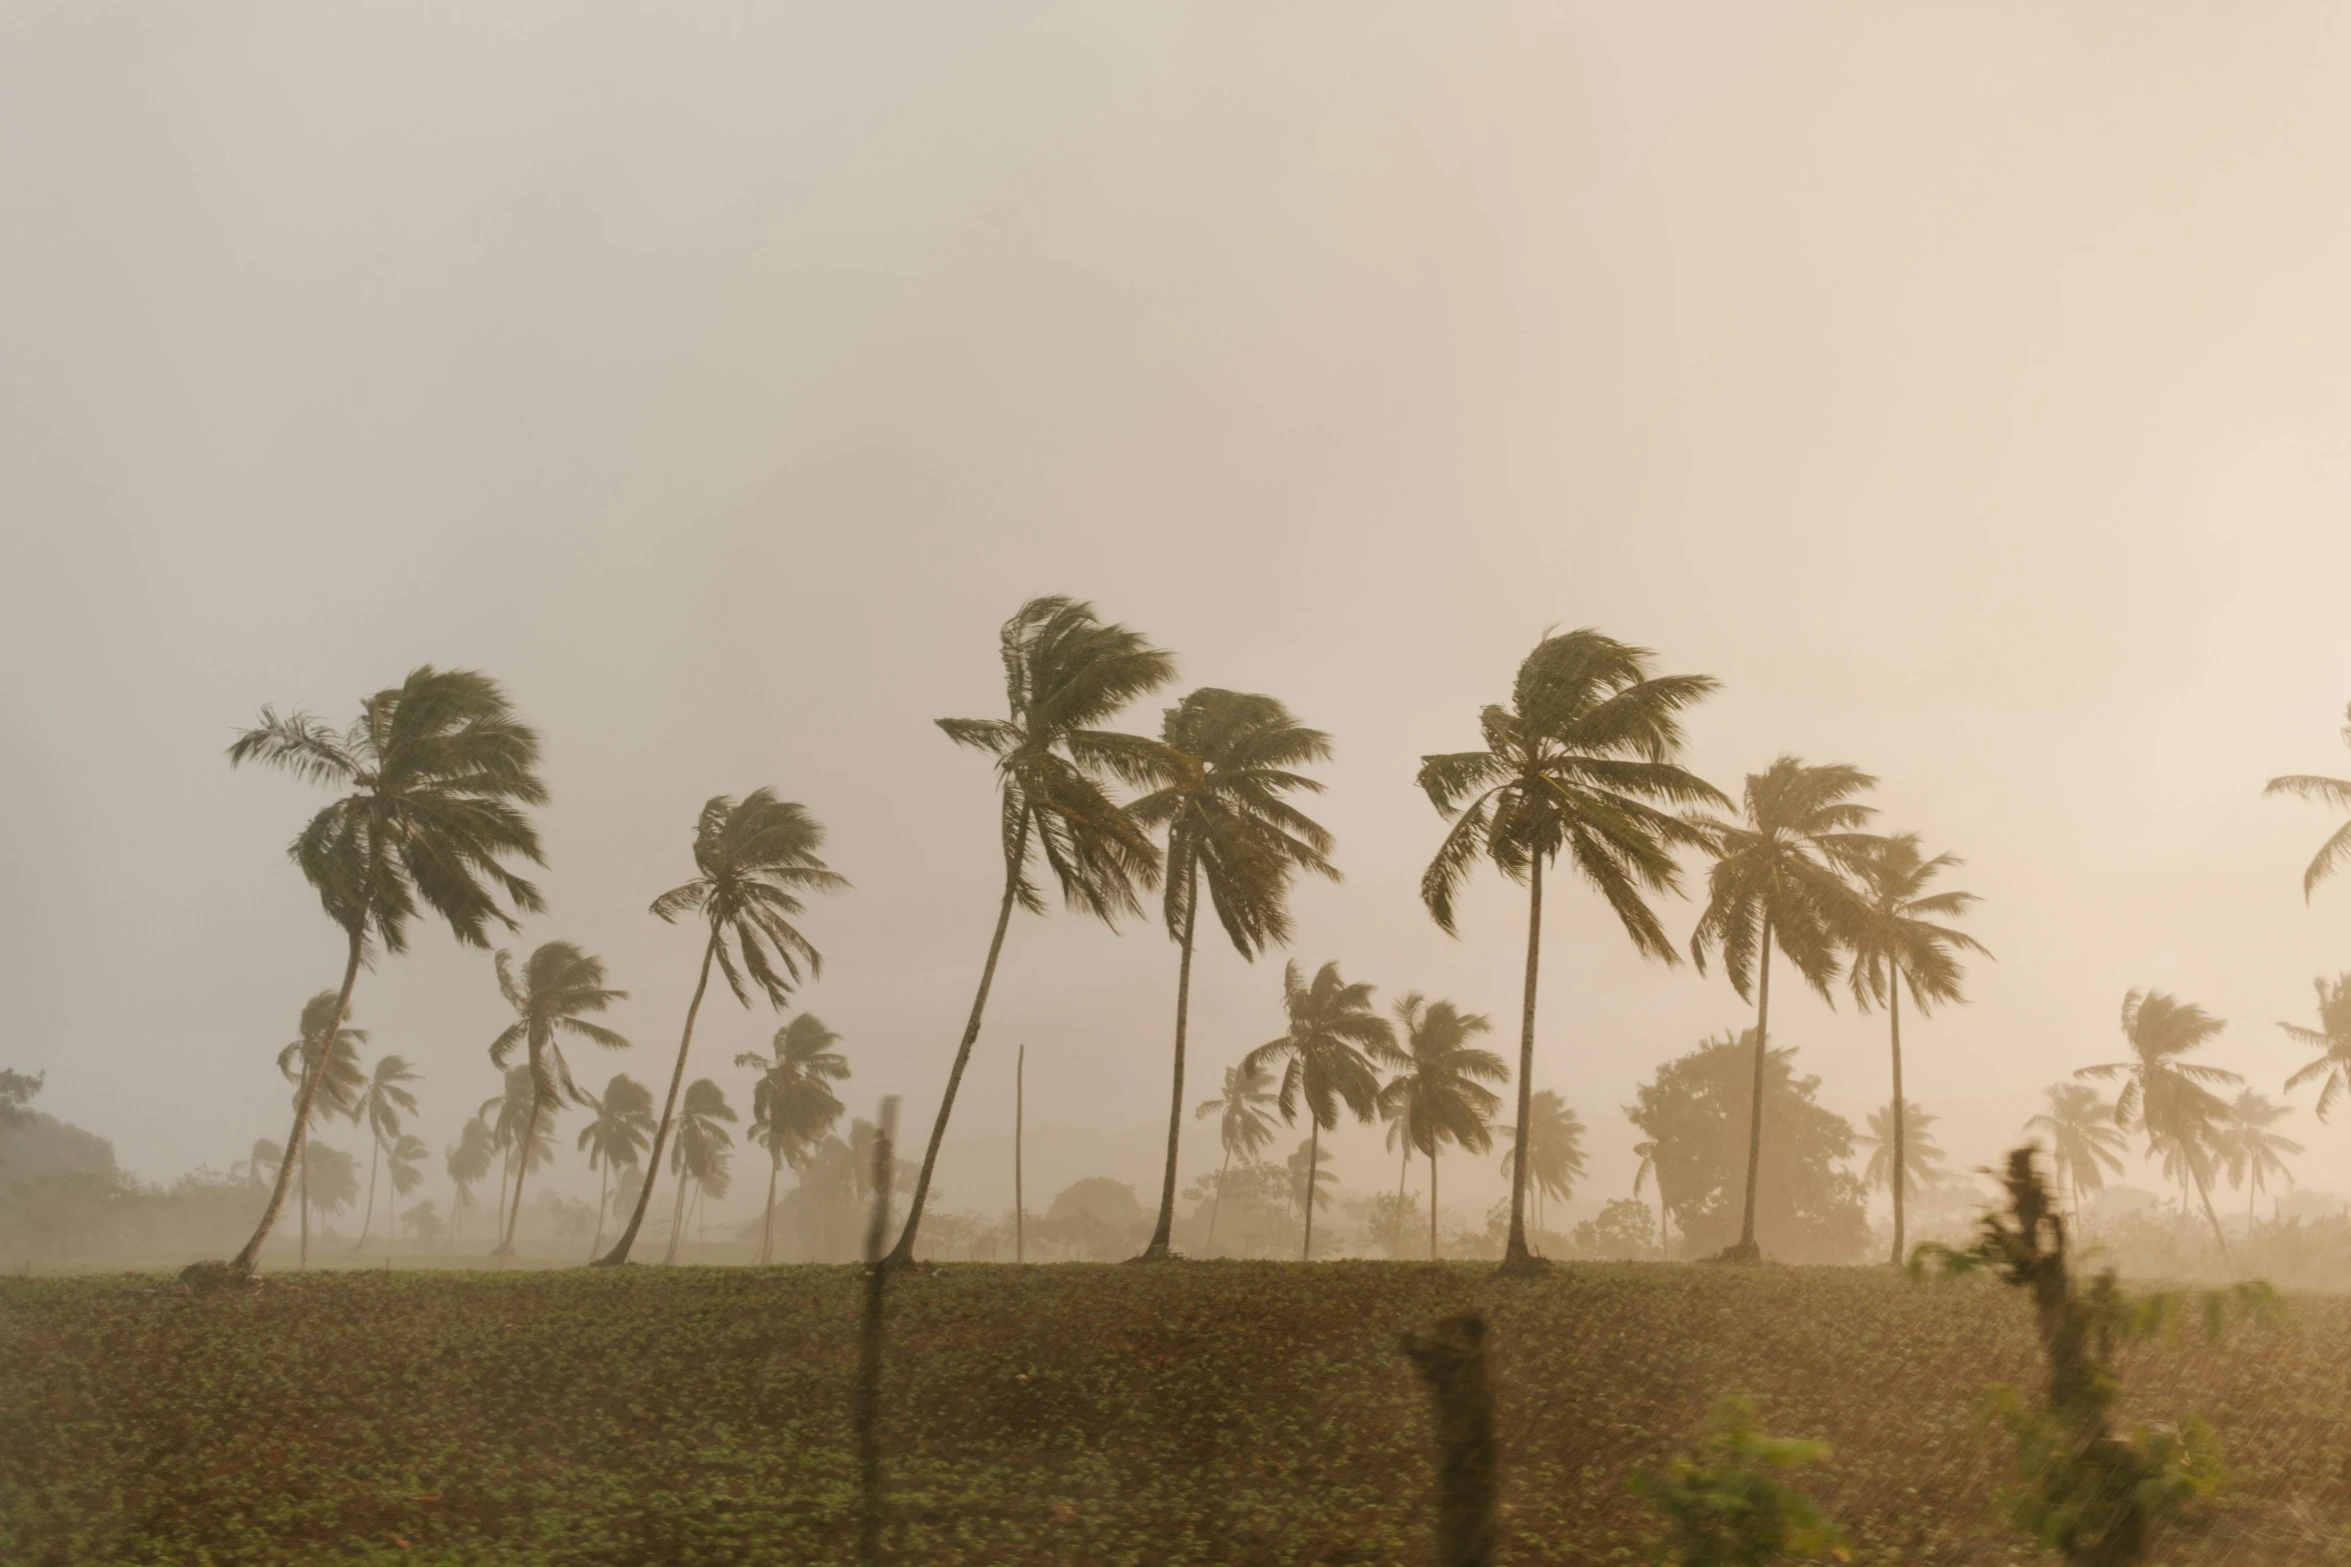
(1581, 762)
(327, 1081)
(432, 778)
(1555, 1136)
(699, 1155)
(2327, 791)
(520, 1134)
(1065, 674)
(404, 1159)
(381, 1104)
(756, 858)
(2331, 1067)
(330, 1179)
(1439, 1095)
(1649, 1170)
(1920, 1159)
(1779, 878)
(616, 1135)
(558, 986)
(2168, 1096)
(1897, 943)
(2085, 1146)
(1309, 1191)
(468, 1161)
(1244, 1124)
(792, 1103)
(2254, 1154)
(1327, 1057)
(1225, 763)
(259, 1168)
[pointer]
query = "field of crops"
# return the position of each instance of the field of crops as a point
(1198, 1413)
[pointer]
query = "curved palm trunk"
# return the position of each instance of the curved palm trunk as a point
(302, 1206)
(603, 1202)
(1157, 1251)
(902, 1254)
(1433, 1201)
(369, 1223)
(677, 1077)
(245, 1260)
(1403, 1170)
(1020, 1201)
(1516, 1258)
(1313, 1169)
(1217, 1202)
(767, 1223)
(677, 1222)
(1901, 1118)
(522, 1167)
(2204, 1196)
(1747, 1250)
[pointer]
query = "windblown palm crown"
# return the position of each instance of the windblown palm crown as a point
(2327, 791)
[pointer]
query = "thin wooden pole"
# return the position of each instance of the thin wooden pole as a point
(869, 1360)
(1020, 1069)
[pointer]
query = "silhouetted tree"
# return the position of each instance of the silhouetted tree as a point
(1327, 1057)
(2252, 1153)
(381, 1104)
(1438, 1094)
(556, 989)
(700, 1155)
(2168, 1096)
(1920, 1159)
(793, 1105)
(2327, 791)
(468, 1161)
(2331, 1067)
(2085, 1146)
(615, 1135)
(328, 1081)
(1555, 1140)
(1244, 1124)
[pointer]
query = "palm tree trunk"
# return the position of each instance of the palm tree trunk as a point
(1020, 1095)
(1901, 1112)
(522, 1167)
(677, 1077)
(370, 1207)
(1217, 1201)
(1516, 1258)
(1432, 1200)
(1157, 1251)
(902, 1254)
(677, 1221)
(1313, 1168)
(1403, 1171)
(1747, 1250)
(245, 1260)
(2204, 1196)
(767, 1222)
(603, 1202)
(302, 1204)
(505, 1174)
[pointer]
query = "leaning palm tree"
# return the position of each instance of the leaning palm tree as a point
(1905, 1143)
(1438, 1094)
(616, 1134)
(1778, 879)
(330, 1179)
(1896, 943)
(698, 1152)
(2252, 1153)
(1555, 1140)
(328, 1081)
(260, 1167)
(523, 1138)
(2085, 1146)
(793, 1104)
(404, 1159)
(757, 857)
(432, 778)
(1327, 1058)
(1065, 674)
(2331, 1067)
(469, 1160)
(1580, 763)
(2169, 1097)
(1244, 1125)
(1225, 763)
(559, 984)
(382, 1102)
(2327, 791)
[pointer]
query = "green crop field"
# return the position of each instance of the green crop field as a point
(1214, 1412)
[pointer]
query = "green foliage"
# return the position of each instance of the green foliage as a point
(16, 1093)
(1725, 1503)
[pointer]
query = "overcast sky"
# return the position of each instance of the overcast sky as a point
(1963, 385)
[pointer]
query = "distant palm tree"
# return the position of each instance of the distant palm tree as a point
(2168, 1096)
(1438, 1094)
(432, 777)
(1555, 1134)
(558, 986)
(260, 1167)
(1779, 879)
(1647, 1171)
(330, 1179)
(699, 1155)
(2331, 1067)
(469, 1161)
(2253, 1154)
(1225, 762)
(1582, 763)
(2327, 791)
(519, 1135)
(1308, 1156)
(615, 1135)
(1065, 674)
(1897, 942)
(1244, 1124)
(757, 857)
(328, 1081)
(792, 1103)
(381, 1104)
(1327, 1058)
(2085, 1146)
(1921, 1159)
(404, 1161)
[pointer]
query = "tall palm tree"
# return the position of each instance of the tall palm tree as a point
(2331, 1067)
(1244, 1124)
(2327, 791)
(1066, 673)
(2169, 1097)
(1917, 1155)
(615, 1135)
(1225, 763)
(432, 778)
(1555, 1140)
(1896, 942)
(1581, 762)
(699, 1155)
(558, 986)
(1327, 1057)
(793, 1104)
(2253, 1154)
(469, 1161)
(1779, 879)
(1439, 1095)
(404, 1159)
(2085, 1146)
(381, 1104)
(757, 857)
(327, 1079)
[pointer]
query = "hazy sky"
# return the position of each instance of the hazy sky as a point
(1963, 385)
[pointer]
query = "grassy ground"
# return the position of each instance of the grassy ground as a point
(1217, 1412)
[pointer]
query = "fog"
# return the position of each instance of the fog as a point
(1963, 389)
